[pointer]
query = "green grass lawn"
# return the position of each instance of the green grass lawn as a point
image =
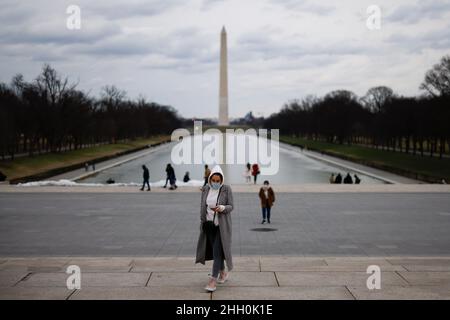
(26, 166)
(432, 167)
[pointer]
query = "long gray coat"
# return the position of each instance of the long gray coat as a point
(204, 249)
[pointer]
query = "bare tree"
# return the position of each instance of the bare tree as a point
(52, 85)
(437, 80)
(50, 115)
(112, 97)
(376, 98)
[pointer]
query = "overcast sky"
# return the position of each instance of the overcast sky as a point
(168, 50)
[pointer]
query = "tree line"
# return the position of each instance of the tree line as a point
(49, 114)
(381, 119)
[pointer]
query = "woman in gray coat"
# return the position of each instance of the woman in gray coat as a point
(216, 206)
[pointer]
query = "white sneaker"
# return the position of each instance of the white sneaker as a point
(210, 289)
(224, 279)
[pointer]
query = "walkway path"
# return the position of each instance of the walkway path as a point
(166, 224)
(254, 277)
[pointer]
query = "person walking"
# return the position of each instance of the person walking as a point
(248, 173)
(267, 197)
(214, 242)
(2, 176)
(255, 172)
(338, 179)
(172, 178)
(186, 177)
(206, 175)
(357, 179)
(167, 175)
(146, 177)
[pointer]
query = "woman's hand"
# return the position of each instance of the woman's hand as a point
(218, 209)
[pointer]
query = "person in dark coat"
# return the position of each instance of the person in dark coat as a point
(186, 177)
(172, 178)
(267, 197)
(338, 179)
(2, 176)
(167, 175)
(255, 172)
(146, 176)
(348, 179)
(357, 179)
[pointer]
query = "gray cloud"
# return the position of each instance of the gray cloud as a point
(265, 45)
(42, 34)
(278, 49)
(114, 9)
(305, 6)
(421, 10)
(208, 4)
(417, 42)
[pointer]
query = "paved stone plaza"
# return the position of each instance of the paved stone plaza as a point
(265, 277)
(140, 245)
(167, 224)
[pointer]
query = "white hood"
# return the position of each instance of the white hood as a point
(215, 170)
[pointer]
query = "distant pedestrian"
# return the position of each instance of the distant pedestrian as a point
(172, 178)
(255, 172)
(167, 175)
(248, 173)
(86, 166)
(332, 178)
(348, 179)
(267, 197)
(110, 181)
(338, 179)
(93, 166)
(146, 176)
(186, 177)
(206, 175)
(2, 176)
(357, 179)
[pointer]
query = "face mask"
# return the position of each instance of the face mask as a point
(215, 185)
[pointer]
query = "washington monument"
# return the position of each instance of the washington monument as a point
(223, 85)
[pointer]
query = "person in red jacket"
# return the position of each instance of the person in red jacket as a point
(255, 172)
(267, 197)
